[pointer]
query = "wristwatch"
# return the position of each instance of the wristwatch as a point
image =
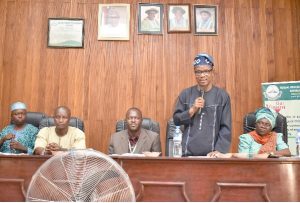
(271, 154)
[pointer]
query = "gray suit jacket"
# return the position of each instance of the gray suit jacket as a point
(148, 141)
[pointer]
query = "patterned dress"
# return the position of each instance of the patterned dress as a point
(25, 136)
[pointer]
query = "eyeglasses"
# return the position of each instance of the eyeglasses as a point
(204, 72)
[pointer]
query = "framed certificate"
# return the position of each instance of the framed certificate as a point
(65, 32)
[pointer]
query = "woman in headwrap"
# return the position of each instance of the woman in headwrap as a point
(18, 137)
(263, 140)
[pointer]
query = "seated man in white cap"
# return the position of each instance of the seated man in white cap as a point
(19, 136)
(60, 137)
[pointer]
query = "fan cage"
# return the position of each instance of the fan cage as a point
(80, 175)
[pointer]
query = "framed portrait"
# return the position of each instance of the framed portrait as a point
(150, 18)
(179, 18)
(206, 19)
(114, 22)
(65, 32)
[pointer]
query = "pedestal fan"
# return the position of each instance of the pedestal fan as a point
(80, 175)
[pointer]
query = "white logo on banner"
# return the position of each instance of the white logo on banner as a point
(272, 92)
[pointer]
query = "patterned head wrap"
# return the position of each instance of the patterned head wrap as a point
(268, 114)
(204, 59)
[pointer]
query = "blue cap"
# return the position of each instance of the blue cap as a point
(204, 59)
(17, 106)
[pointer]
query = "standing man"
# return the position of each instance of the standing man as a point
(205, 112)
(135, 139)
(60, 137)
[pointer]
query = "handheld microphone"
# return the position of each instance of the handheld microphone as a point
(202, 94)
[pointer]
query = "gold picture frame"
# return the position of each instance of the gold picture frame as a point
(114, 22)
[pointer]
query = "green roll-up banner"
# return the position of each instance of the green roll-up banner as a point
(284, 97)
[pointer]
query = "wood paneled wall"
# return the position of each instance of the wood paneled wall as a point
(258, 41)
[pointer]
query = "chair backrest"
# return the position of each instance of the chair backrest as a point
(34, 118)
(281, 125)
(147, 124)
(74, 122)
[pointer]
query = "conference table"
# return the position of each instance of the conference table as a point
(179, 179)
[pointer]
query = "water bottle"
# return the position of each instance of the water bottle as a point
(177, 138)
(171, 144)
(298, 143)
